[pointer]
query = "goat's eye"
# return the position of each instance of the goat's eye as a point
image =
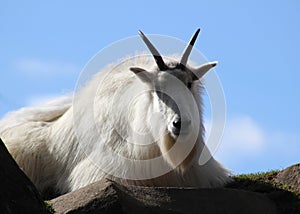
(189, 85)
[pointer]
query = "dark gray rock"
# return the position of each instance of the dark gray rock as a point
(290, 177)
(17, 193)
(99, 197)
(109, 197)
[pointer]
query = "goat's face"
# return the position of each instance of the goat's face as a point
(173, 102)
(172, 99)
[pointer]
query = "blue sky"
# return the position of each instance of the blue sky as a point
(44, 46)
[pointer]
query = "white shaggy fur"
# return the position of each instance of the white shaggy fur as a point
(44, 143)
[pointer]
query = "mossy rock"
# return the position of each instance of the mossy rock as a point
(286, 197)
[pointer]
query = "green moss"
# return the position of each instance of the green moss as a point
(286, 198)
(256, 182)
(49, 207)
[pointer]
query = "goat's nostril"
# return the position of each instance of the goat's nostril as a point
(177, 124)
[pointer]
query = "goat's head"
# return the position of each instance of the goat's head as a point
(172, 84)
(164, 84)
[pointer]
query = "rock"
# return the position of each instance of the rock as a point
(290, 177)
(99, 197)
(18, 194)
(109, 197)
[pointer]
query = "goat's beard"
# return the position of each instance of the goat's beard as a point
(176, 159)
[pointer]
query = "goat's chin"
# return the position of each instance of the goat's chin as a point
(174, 159)
(174, 137)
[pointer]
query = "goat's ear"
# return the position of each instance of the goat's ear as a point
(203, 69)
(142, 74)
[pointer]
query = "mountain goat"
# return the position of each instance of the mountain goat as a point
(139, 123)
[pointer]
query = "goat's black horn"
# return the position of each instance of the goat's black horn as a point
(189, 48)
(158, 59)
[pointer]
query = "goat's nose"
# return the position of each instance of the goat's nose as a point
(177, 124)
(180, 126)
